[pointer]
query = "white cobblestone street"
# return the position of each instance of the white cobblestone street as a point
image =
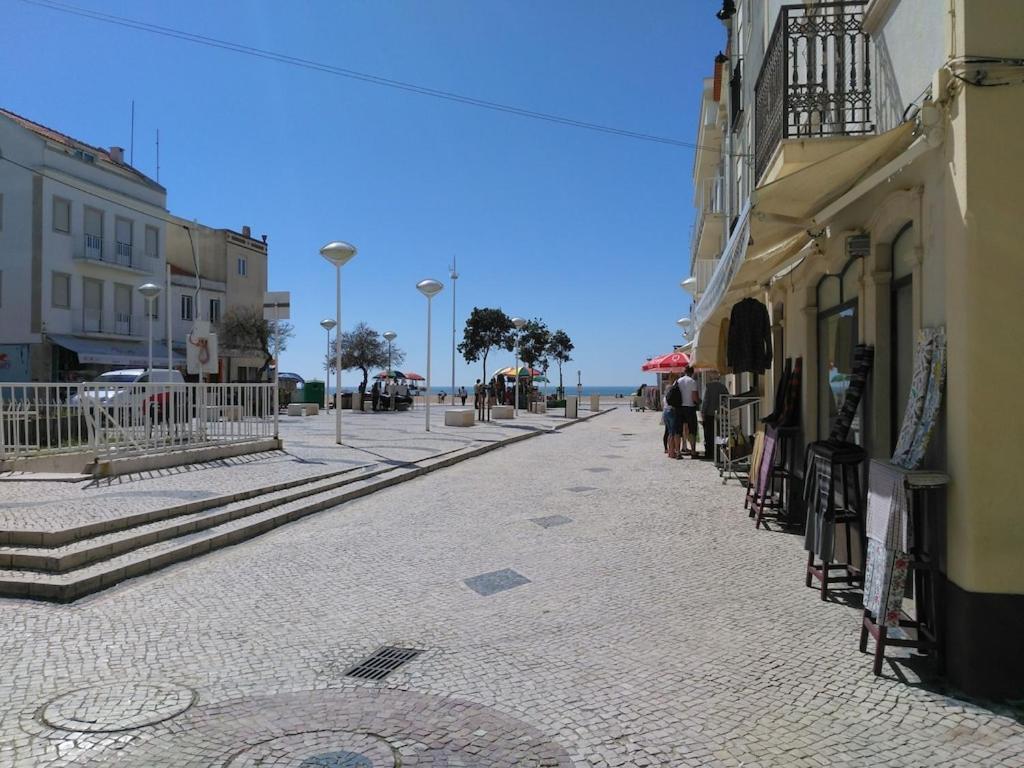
(647, 623)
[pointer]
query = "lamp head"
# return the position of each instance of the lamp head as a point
(338, 252)
(518, 322)
(683, 322)
(689, 284)
(429, 288)
(328, 324)
(149, 290)
(390, 335)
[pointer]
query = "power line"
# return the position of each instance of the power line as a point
(316, 66)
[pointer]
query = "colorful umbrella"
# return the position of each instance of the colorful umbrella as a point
(524, 372)
(392, 374)
(673, 362)
(414, 377)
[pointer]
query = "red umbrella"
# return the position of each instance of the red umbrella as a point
(673, 362)
(414, 377)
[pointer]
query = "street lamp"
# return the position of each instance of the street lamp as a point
(339, 253)
(518, 322)
(430, 289)
(150, 291)
(454, 275)
(328, 325)
(390, 336)
(688, 284)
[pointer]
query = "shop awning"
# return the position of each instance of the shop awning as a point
(780, 217)
(104, 352)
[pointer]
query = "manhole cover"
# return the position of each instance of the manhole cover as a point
(551, 520)
(117, 706)
(496, 581)
(318, 749)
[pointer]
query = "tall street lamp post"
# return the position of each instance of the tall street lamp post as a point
(338, 253)
(518, 322)
(328, 325)
(390, 336)
(430, 289)
(454, 275)
(150, 291)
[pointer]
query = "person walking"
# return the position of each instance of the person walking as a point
(690, 392)
(478, 399)
(672, 417)
(710, 404)
(462, 395)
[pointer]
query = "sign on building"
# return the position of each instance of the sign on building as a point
(201, 349)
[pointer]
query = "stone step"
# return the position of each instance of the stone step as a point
(104, 546)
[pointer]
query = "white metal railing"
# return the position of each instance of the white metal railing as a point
(93, 247)
(708, 199)
(110, 420)
(123, 253)
(703, 269)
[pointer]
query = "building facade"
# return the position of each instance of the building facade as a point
(80, 230)
(867, 163)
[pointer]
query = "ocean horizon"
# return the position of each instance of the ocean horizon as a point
(607, 390)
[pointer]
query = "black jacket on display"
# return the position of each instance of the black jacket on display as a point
(750, 337)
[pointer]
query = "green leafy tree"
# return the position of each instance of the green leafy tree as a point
(559, 348)
(364, 349)
(243, 329)
(486, 329)
(534, 339)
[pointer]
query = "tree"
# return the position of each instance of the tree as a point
(364, 348)
(534, 338)
(485, 329)
(244, 329)
(559, 348)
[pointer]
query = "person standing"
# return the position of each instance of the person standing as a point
(690, 400)
(462, 394)
(478, 399)
(672, 417)
(375, 395)
(392, 395)
(710, 404)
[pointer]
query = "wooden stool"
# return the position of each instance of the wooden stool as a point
(773, 501)
(845, 468)
(923, 489)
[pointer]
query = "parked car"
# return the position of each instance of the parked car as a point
(119, 390)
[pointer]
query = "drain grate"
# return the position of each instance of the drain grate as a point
(383, 662)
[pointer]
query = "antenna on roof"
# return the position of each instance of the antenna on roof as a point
(131, 156)
(158, 155)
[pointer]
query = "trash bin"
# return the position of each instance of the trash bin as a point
(571, 407)
(595, 403)
(313, 392)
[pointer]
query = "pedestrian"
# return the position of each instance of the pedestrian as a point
(392, 395)
(463, 395)
(478, 398)
(690, 392)
(710, 404)
(375, 395)
(672, 416)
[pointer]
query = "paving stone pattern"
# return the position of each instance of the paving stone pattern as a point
(658, 629)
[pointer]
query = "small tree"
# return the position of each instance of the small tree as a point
(559, 348)
(244, 329)
(363, 348)
(534, 339)
(486, 328)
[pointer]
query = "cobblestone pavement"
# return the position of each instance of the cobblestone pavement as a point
(371, 439)
(648, 624)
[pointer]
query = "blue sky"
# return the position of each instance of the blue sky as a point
(587, 231)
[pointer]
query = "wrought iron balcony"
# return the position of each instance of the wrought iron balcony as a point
(815, 80)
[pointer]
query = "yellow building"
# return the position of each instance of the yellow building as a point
(871, 158)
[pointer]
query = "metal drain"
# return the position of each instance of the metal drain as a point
(382, 662)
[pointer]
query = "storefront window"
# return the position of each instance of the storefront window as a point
(837, 336)
(902, 327)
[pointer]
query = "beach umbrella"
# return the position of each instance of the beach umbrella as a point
(543, 379)
(392, 374)
(414, 376)
(673, 362)
(524, 372)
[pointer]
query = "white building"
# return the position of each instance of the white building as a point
(80, 230)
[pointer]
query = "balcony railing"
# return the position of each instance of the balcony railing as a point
(123, 254)
(86, 320)
(703, 269)
(93, 247)
(736, 94)
(815, 80)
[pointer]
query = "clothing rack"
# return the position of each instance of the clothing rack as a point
(734, 443)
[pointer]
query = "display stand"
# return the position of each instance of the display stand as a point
(923, 494)
(734, 447)
(770, 498)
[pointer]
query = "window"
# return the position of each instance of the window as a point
(243, 266)
(837, 336)
(152, 242)
(186, 307)
(123, 236)
(214, 310)
(92, 304)
(60, 290)
(61, 215)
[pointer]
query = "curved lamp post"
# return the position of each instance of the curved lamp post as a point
(518, 322)
(150, 291)
(339, 253)
(328, 325)
(430, 289)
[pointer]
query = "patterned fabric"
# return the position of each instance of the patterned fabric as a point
(885, 579)
(886, 518)
(910, 451)
(915, 399)
(863, 359)
(819, 536)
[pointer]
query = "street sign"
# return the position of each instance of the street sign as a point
(201, 349)
(277, 305)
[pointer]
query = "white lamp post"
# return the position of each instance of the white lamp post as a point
(390, 336)
(339, 254)
(430, 289)
(328, 325)
(454, 275)
(150, 291)
(518, 322)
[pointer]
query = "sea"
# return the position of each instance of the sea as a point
(604, 391)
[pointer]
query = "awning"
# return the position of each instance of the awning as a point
(673, 362)
(103, 352)
(775, 223)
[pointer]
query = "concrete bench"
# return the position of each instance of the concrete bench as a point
(539, 407)
(296, 409)
(459, 417)
(502, 412)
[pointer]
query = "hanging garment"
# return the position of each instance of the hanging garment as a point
(819, 535)
(863, 359)
(885, 579)
(750, 337)
(780, 393)
(925, 398)
(791, 405)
